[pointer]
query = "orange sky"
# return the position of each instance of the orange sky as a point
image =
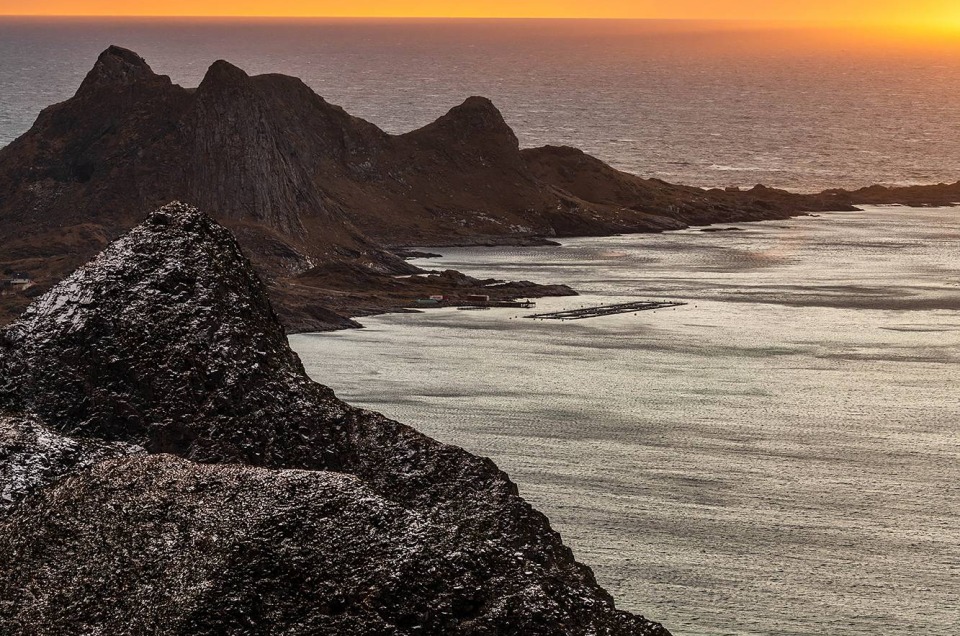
(943, 13)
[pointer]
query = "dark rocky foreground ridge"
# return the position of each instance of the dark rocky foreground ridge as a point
(318, 198)
(167, 467)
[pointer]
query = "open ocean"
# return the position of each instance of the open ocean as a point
(782, 455)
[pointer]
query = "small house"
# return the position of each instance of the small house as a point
(15, 284)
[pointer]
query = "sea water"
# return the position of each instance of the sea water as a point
(779, 456)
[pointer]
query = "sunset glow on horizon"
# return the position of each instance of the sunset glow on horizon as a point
(940, 14)
(868, 26)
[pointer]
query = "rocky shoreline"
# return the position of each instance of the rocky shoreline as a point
(399, 295)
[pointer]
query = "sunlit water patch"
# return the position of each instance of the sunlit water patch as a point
(779, 456)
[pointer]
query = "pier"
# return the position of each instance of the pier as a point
(607, 310)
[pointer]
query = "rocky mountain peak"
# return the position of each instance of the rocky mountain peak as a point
(222, 74)
(117, 66)
(170, 314)
(306, 187)
(477, 116)
(479, 105)
(308, 515)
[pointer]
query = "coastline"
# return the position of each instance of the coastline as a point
(529, 289)
(758, 437)
(844, 300)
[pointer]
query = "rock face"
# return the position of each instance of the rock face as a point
(32, 455)
(312, 193)
(167, 467)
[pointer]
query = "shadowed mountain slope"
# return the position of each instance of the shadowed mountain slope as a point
(316, 196)
(198, 482)
(311, 192)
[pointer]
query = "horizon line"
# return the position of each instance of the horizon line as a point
(447, 17)
(887, 30)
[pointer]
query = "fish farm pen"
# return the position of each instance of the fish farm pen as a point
(607, 310)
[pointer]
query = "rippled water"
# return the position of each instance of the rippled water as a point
(698, 103)
(780, 456)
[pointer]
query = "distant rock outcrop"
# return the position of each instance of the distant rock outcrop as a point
(651, 204)
(167, 467)
(313, 194)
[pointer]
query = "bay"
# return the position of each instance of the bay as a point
(779, 456)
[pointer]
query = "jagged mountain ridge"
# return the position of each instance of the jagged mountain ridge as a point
(311, 192)
(211, 487)
(131, 140)
(315, 195)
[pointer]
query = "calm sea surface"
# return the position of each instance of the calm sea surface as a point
(780, 456)
(698, 103)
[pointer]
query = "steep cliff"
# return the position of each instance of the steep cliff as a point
(265, 155)
(197, 481)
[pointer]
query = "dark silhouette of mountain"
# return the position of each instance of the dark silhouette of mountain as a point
(168, 467)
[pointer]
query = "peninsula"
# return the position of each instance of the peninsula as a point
(321, 201)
